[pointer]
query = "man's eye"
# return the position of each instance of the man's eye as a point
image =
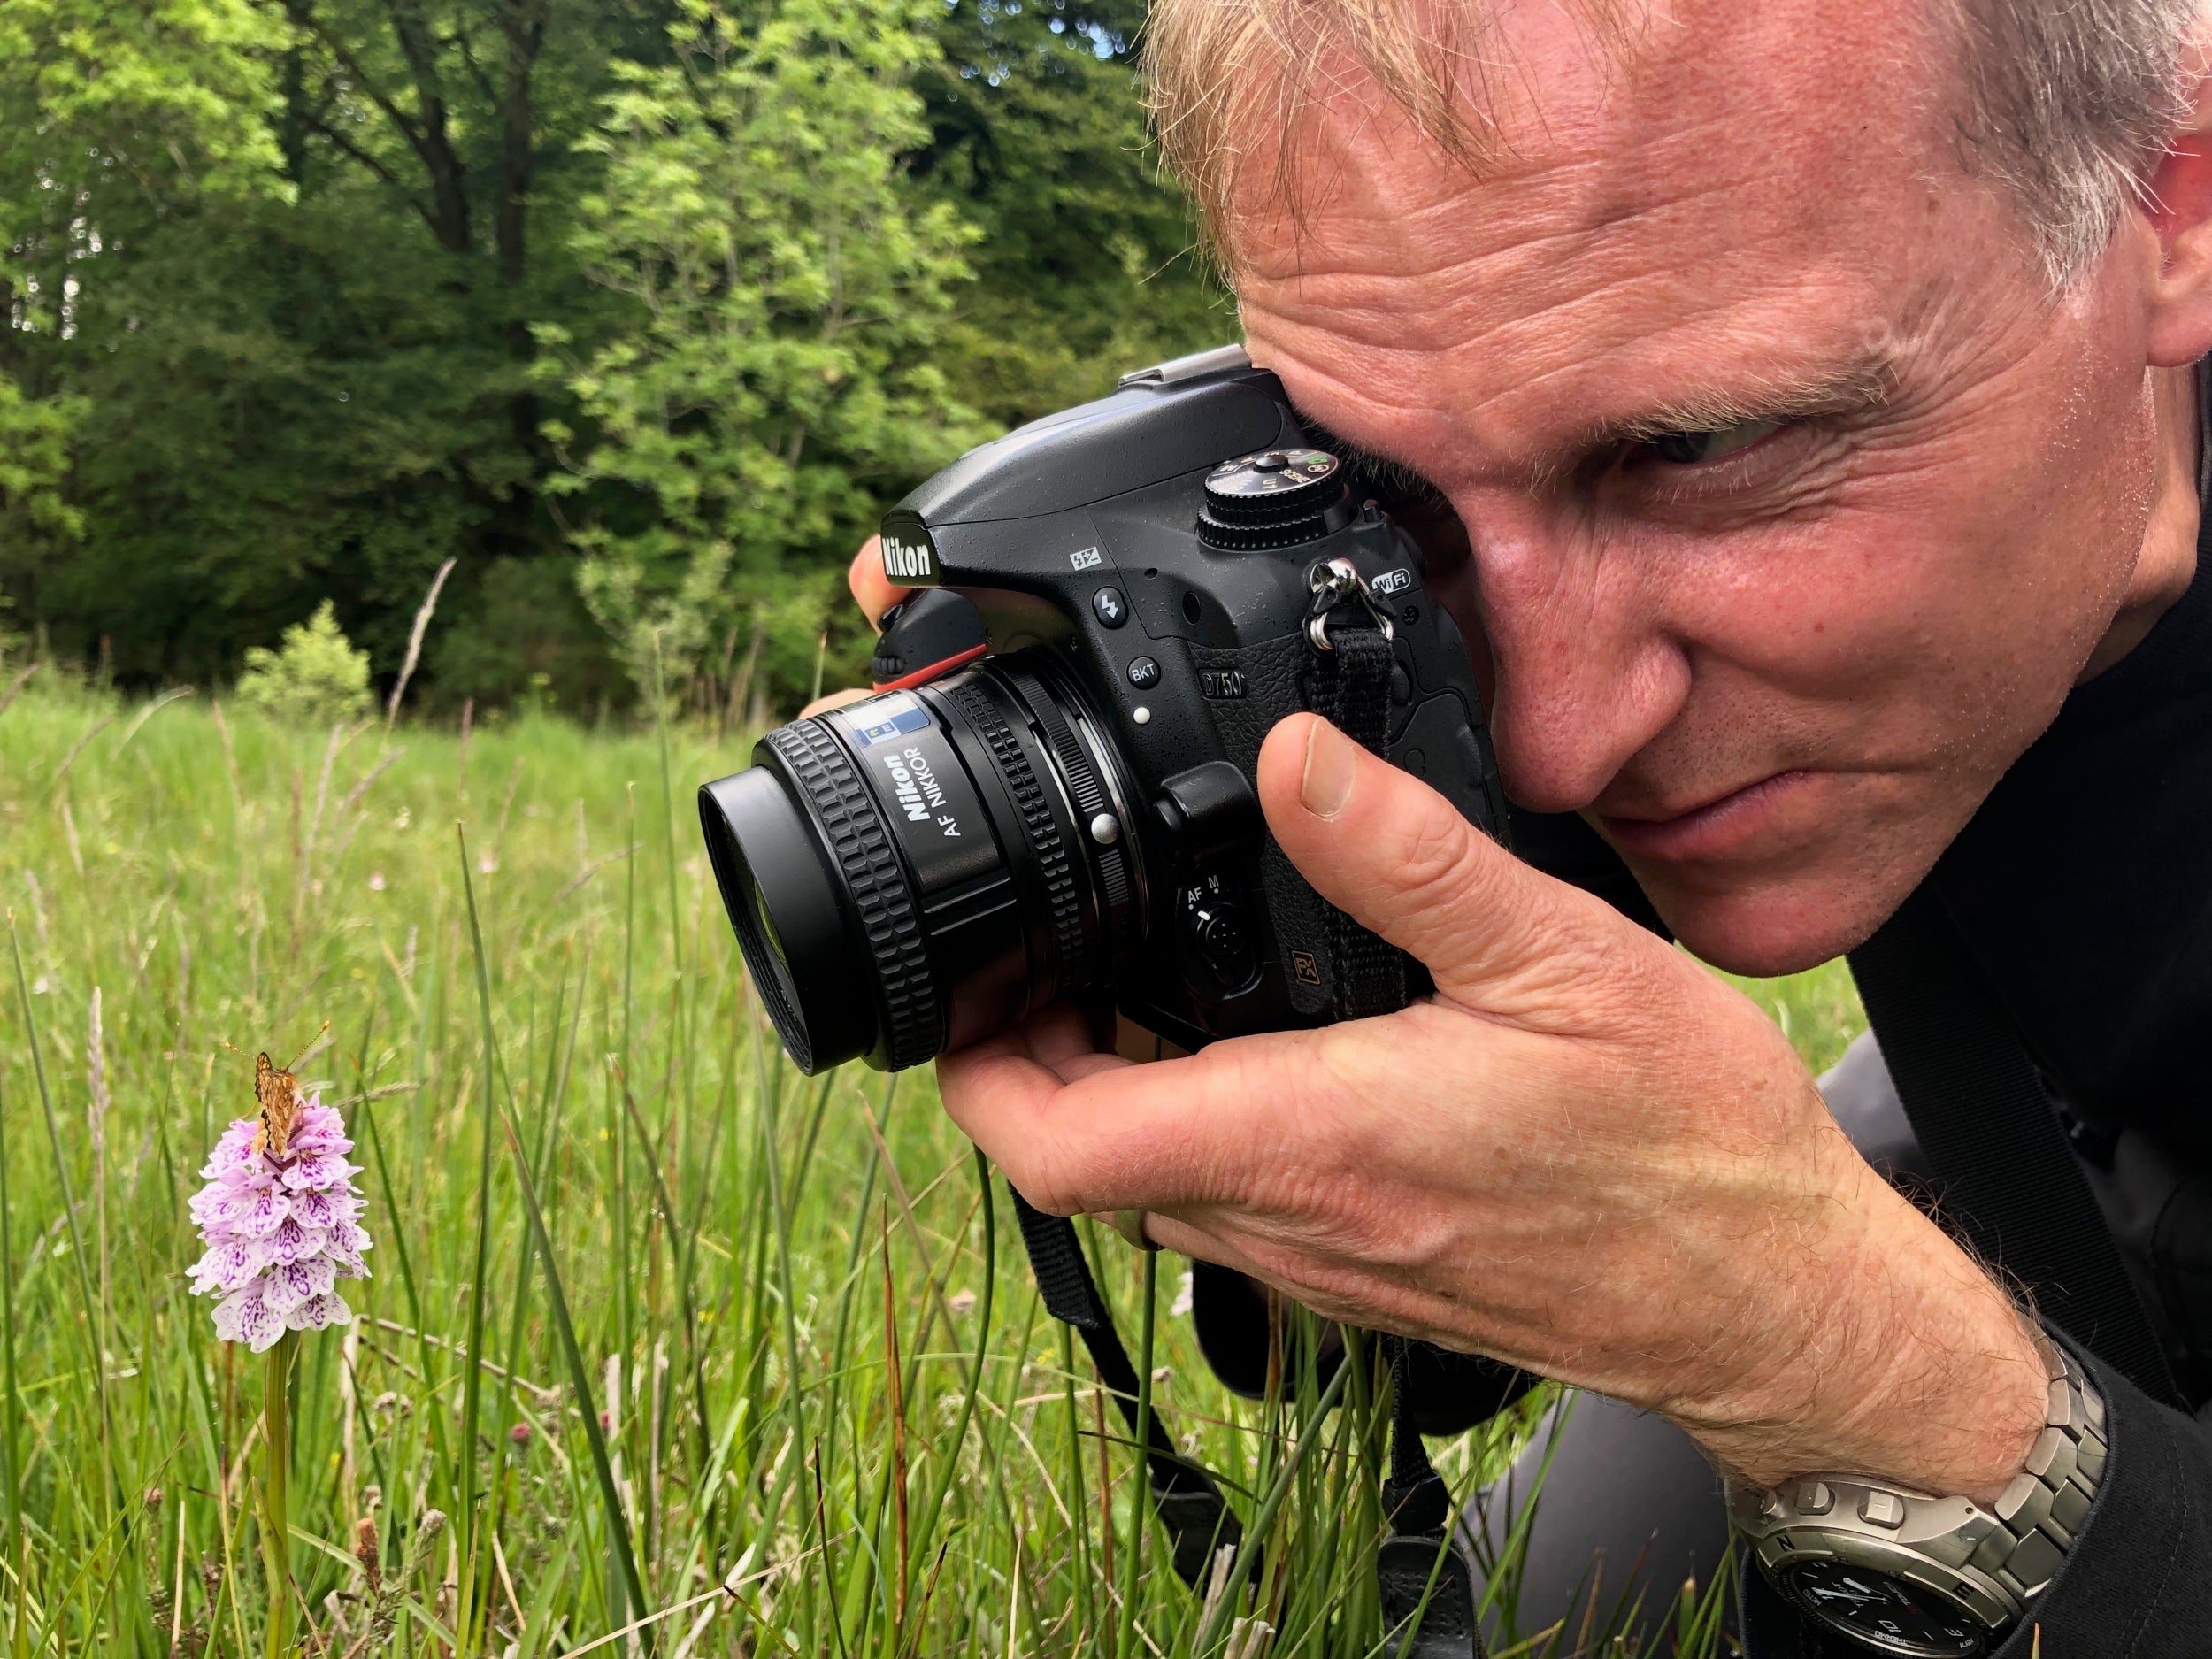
(1694, 448)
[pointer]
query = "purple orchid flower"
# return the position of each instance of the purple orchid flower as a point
(282, 1229)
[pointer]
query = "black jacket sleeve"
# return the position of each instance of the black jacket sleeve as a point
(2136, 1585)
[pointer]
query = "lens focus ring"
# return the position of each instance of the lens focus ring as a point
(1044, 836)
(877, 884)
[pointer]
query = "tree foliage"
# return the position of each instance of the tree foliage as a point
(316, 677)
(789, 289)
(641, 309)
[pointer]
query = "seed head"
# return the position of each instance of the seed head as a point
(280, 1217)
(364, 1551)
(96, 1078)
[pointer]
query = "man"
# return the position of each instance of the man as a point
(1814, 383)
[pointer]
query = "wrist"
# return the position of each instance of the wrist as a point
(1912, 1366)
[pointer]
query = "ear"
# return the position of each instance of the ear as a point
(2177, 209)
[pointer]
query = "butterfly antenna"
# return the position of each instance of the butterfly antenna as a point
(313, 1048)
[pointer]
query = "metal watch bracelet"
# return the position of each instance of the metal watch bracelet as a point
(1988, 1562)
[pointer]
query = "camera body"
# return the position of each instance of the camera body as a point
(1124, 605)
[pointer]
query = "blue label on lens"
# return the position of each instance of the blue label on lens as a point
(886, 720)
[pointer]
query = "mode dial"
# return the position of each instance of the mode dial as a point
(1276, 498)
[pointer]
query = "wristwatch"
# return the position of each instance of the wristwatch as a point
(1901, 1572)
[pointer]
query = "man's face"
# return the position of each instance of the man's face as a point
(1778, 665)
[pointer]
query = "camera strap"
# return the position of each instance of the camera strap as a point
(1353, 658)
(1426, 1591)
(1199, 1523)
(1427, 1595)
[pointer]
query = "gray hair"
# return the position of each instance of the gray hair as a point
(2069, 103)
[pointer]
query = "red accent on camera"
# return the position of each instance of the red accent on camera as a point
(923, 676)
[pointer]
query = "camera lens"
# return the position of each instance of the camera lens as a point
(912, 872)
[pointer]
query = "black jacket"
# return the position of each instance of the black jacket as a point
(2083, 889)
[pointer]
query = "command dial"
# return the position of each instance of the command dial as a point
(1273, 499)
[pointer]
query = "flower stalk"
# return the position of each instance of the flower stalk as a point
(281, 1218)
(276, 1531)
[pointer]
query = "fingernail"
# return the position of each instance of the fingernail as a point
(1330, 758)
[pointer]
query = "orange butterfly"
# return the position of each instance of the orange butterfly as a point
(278, 1092)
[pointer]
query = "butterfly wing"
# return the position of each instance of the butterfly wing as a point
(278, 1092)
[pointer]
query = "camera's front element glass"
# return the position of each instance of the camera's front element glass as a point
(910, 872)
(1276, 498)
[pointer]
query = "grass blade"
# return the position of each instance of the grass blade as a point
(580, 1378)
(1263, 1520)
(473, 1378)
(10, 1432)
(69, 1213)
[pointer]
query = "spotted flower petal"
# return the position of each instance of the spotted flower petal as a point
(317, 1311)
(278, 1234)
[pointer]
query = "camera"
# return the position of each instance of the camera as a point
(1052, 793)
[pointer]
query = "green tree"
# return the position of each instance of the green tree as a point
(284, 278)
(316, 677)
(788, 288)
(112, 115)
(320, 385)
(1087, 263)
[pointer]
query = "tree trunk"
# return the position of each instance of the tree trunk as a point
(432, 140)
(523, 22)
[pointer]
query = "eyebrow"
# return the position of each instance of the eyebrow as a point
(1864, 381)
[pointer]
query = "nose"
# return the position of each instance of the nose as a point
(1587, 672)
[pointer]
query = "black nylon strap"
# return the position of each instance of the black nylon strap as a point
(1189, 1504)
(1428, 1604)
(1427, 1595)
(1977, 1102)
(1351, 690)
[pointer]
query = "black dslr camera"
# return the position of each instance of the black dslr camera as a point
(1053, 793)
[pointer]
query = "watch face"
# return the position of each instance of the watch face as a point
(1886, 1614)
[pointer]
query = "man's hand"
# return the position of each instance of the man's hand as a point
(873, 591)
(1585, 1154)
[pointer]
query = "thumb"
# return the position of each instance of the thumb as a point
(1397, 857)
(872, 589)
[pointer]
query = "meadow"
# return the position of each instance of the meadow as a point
(694, 1355)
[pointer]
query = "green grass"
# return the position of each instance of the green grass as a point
(663, 1328)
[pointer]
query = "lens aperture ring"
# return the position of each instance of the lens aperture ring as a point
(879, 886)
(1045, 840)
(1086, 789)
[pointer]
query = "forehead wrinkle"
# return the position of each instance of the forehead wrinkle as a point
(1496, 299)
(1529, 350)
(1512, 247)
(1705, 179)
(1682, 121)
(1601, 147)
(1489, 306)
